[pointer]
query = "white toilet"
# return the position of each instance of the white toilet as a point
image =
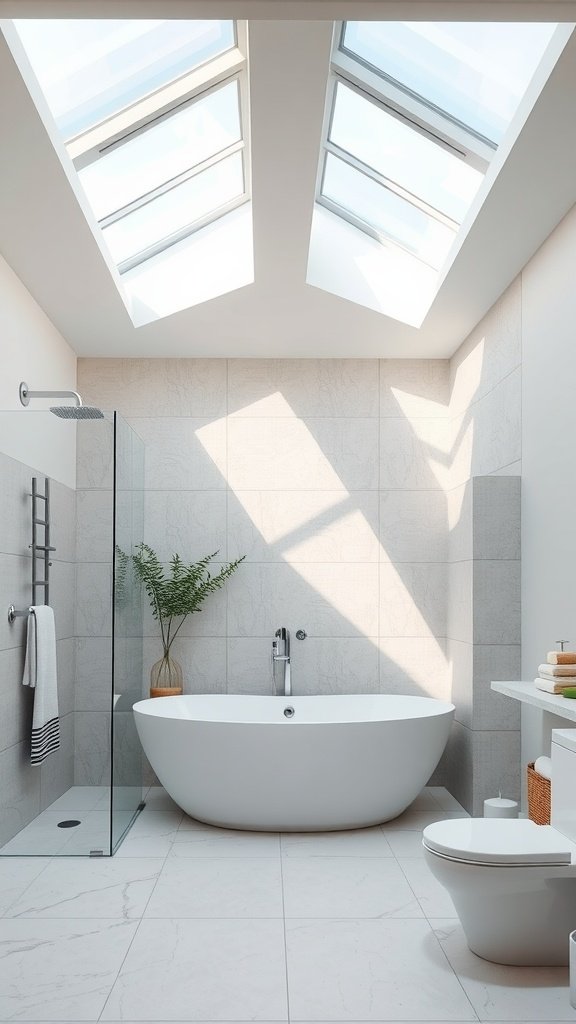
(513, 883)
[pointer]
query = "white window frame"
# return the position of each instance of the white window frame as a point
(407, 107)
(94, 144)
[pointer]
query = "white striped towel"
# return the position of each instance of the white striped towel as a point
(40, 673)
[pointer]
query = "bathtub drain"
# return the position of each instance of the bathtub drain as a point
(289, 712)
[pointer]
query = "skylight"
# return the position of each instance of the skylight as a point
(154, 116)
(415, 113)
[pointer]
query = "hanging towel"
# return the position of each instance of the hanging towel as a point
(40, 673)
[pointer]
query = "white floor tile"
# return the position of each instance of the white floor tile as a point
(425, 801)
(364, 842)
(370, 971)
(16, 874)
(189, 824)
(80, 798)
(357, 887)
(202, 970)
(432, 897)
(406, 844)
(157, 799)
(155, 823)
(59, 970)
(417, 820)
(500, 993)
(221, 842)
(223, 888)
(101, 887)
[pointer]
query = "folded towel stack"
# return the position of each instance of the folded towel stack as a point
(558, 673)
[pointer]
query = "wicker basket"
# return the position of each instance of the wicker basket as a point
(538, 797)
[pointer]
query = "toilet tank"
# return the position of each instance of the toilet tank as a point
(563, 808)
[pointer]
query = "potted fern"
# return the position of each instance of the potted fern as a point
(174, 594)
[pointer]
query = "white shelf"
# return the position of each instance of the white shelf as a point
(528, 693)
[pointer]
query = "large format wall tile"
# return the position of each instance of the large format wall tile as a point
(417, 666)
(92, 748)
(93, 599)
(413, 526)
(496, 602)
(414, 388)
(93, 685)
(303, 526)
(155, 387)
(94, 525)
(183, 454)
(322, 598)
(414, 454)
(490, 353)
(303, 454)
(303, 387)
(95, 453)
(460, 595)
(20, 793)
(413, 599)
(15, 506)
(492, 710)
(191, 523)
(496, 517)
(16, 589)
(340, 665)
(15, 700)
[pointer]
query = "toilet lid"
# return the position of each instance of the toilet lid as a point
(498, 841)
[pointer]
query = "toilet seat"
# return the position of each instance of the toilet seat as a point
(493, 841)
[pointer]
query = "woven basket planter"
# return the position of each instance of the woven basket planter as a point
(538, 797)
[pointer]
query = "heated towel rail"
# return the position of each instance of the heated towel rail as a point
(40, 551)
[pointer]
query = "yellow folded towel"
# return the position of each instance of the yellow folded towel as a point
(557, 671)
(552, 685)
(561, 657)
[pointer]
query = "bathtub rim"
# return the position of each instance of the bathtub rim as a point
(150, 707)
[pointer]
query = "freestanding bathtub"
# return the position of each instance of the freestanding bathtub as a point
(293, 763)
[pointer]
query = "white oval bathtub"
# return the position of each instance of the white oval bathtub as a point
(338, 762)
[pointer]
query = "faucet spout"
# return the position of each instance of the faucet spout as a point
(281, 654)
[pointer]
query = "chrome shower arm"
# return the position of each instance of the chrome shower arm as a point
(26, 395)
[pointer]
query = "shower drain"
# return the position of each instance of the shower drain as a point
(70, 823)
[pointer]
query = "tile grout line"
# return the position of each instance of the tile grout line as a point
(137, 929)
(284, 926)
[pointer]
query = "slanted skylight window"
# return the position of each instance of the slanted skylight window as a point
(414, 116)
(154, 115)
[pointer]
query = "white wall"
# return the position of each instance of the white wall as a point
(31, 349)
(548, 459)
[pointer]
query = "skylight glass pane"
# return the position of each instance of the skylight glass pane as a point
(177, 209)
(402, 154)
(89, 70)
(168, 148)
(477, 73)
(386, 212)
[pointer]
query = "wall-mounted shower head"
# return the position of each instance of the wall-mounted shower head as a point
(65, 412)
(77, 412)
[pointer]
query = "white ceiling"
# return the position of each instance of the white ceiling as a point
(45, 237)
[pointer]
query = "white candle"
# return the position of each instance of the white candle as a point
(500, 807)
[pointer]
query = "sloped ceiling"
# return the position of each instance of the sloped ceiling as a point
(45, 238)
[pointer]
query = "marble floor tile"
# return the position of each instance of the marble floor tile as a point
(189, 824)
(405, 844)
(157, 799)
(222, 842)
(59, 970)
(182, 970)
(16, 874)
(371, 971)
(41, 837)
(227, 887)
(417, 820)
(155, 823)
(501, 993)
(99, 887)
(356, 887)
(432, 897)
(426, 801)
(363, 842)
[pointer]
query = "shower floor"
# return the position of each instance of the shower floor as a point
(90, 805)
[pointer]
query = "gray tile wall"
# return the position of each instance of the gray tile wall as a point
(27, 790)
(329, 476)
(484, 554)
